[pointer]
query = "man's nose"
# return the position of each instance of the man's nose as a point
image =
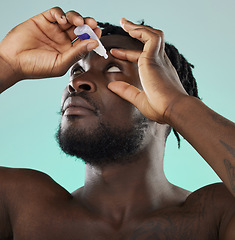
(81, 85)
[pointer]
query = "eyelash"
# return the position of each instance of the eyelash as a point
(79, 68)
(76, 69)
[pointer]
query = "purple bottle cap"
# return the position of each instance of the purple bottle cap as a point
(84, 36)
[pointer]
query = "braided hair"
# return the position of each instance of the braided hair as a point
(182, 66)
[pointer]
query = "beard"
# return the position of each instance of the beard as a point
(104, 145)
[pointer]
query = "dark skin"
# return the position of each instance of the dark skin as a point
(133, 201)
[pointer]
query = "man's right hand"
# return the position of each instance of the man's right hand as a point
(42, 46)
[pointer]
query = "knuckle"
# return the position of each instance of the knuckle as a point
(90, 21)
(149, 28)
(68, 14)
(160, 32)
(73, 13)
(89, 18)
(159, 35)
(144, 29)
(153, 30)
(56, 9)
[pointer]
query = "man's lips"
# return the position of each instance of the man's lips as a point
(77, 106)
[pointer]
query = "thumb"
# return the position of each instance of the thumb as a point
(127, 92)
(75, 53)
(135, 96)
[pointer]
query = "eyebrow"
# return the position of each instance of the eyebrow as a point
(107, 49)
(110, 47)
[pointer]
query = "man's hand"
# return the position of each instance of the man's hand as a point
(159, 79)
(43, 45)
(163, 99)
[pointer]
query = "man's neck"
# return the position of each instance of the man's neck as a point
(120, 192)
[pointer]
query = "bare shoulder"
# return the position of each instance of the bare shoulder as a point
(16, 182)
(215, 195)
(203, 214)
(21, 187)
(216, 200)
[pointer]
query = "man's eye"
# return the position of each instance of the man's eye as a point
(113, 69)
(77, 71)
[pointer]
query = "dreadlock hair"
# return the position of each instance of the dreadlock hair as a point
(182, 66)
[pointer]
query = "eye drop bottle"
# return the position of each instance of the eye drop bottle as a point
(85, 32)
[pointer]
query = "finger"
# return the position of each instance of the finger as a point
(70, 33)
(74, 54)
(93, 25)
(55, 14)
(152, 42)
(72, 36)
(74, 20)
(98, 32)
(51, 30)
(128, 55)
(133, 95)
(128, 26)
(126, 91)
(91, 22)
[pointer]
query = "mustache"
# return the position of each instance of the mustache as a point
(86, 97)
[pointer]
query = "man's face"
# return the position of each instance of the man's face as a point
(96, 124)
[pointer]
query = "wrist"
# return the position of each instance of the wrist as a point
(8, 76)
(177, 110)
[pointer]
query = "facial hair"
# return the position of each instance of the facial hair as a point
(104, 145)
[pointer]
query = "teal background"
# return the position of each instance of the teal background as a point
(202, 30)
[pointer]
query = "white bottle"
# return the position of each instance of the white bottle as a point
(85, 32)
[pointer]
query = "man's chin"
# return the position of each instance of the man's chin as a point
(101, 144)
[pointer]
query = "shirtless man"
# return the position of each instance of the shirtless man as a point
(136, 93)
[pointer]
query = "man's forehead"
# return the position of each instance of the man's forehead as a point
(114, 41)
(120, 41)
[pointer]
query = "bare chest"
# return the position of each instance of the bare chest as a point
(63, 225)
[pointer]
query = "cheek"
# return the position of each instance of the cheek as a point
(64, 96)
(131, 77)
(133, 80)
(117, 111)
(113, 77)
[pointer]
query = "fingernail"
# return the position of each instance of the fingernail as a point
(121, 22)
(126, 20)
(113, 50)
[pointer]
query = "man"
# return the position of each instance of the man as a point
(116, 115)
